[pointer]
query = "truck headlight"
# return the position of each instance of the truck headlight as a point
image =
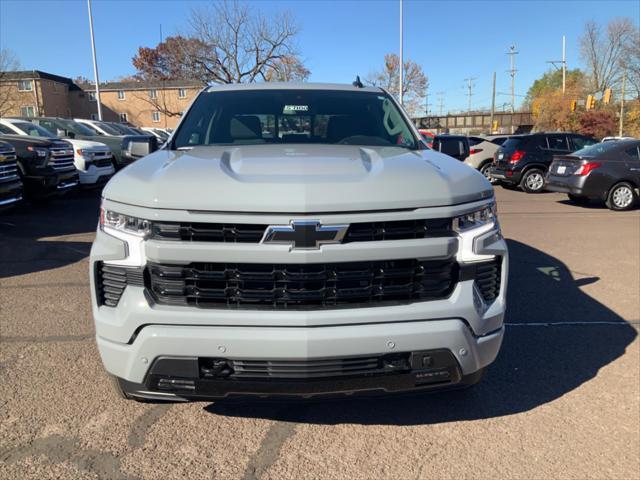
(41, 153)
(476, 225)
(86, 154)
(124, 223)
(477, 219)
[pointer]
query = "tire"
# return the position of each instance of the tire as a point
(622, 196)
(533, 181)
(577, 199)
(484, 170)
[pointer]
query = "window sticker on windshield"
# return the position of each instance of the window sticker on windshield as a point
(295, 108)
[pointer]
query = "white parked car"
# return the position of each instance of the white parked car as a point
(93, 160)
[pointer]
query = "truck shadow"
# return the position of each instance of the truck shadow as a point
(538, 363)
(26, 248)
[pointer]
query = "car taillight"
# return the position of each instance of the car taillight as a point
(517, 156)
(585, 168)
(475, 150)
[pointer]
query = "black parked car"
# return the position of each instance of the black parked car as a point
(523, 160)
(456, 146)
(10, 183)
(607, 171)
(45, 165)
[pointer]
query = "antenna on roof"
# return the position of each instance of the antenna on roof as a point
(358, 83)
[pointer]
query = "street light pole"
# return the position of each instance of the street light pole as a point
(401, 95)
(95, 62)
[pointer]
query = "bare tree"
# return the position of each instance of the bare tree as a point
(414, 85)
(606, 54)
(631, 64)
(227, 43)
(8, 64)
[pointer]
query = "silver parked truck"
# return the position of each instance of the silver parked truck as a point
(300, 240)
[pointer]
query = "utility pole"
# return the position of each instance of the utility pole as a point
(493, 103)
(563, 64)
(426, 100)
(441, 102)
(95, 62)
(469, 91)
(624, 81)
(512, 71)
(401, 59)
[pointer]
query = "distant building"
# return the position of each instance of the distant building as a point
(143, 104)
(32, 93)
(35, 93)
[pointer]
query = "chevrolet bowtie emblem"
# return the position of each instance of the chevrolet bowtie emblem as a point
(304, 234)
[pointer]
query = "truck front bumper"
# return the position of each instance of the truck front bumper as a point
(163, 361)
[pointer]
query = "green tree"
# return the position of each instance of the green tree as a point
(552, 80)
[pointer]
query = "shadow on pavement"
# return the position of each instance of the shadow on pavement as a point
(537, 364)
(27, 234)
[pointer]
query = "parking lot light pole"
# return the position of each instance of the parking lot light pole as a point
(400, 96)
(95, 62)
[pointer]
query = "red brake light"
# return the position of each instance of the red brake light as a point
(475, 150)
(585, 168)
(517, 156)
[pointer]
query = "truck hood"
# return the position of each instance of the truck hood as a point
(77, 143)
(296, 179)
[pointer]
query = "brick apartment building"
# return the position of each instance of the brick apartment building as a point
(143, 104)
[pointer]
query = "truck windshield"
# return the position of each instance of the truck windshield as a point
(33, 130)
(77, 128)
(293, 117)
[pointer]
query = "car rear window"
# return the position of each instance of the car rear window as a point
(512, 144)
(294, 116)
(475, 141)
(596, 149)
(499, 140)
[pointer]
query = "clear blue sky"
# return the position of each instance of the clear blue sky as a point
(452, 40)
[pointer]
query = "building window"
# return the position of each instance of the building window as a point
(28, 111)
(123, 118)
(25, 85)
(155, 116)
(153, 93)
(92, 96)
(121, 95)
(182, 93)
(94, 116)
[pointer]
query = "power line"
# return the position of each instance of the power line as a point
(563, 63)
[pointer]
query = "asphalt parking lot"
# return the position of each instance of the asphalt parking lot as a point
(562, 400)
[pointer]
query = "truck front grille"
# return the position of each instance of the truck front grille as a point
(61, 158)
(253, 233)
(216, 285)
(8, 165)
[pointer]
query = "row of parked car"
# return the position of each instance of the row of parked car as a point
(570, 163)
(45, 157)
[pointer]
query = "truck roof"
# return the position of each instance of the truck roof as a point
(291, 86)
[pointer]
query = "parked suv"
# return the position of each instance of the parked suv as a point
(482, 151)
(608, 171)
(10, 183)
(45, 165)
(456, 146)
(296, 239)
(523, 160)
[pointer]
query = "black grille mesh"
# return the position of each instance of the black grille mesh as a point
(253, 233)
(111, 280)
(487, 278)
(304, 285)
